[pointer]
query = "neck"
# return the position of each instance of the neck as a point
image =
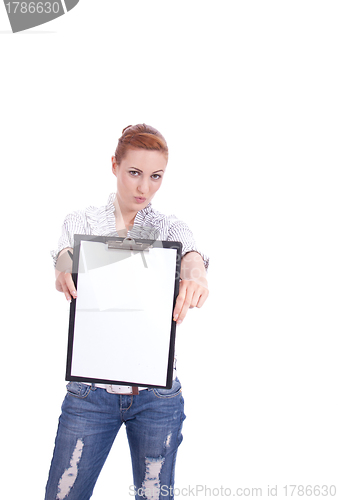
(124, 219)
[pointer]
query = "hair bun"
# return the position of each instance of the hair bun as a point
(123, 131)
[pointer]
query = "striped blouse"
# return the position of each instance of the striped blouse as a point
(148, 224)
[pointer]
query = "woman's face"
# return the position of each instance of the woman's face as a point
(139, 176)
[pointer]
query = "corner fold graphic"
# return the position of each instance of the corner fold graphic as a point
(25, 15)
(70, 4)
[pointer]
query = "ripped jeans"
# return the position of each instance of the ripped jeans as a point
(90, 420)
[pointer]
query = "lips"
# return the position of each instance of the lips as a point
(139, 199)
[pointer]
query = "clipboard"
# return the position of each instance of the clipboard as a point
(121, 328)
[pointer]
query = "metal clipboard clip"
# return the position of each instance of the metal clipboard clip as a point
(130, 244)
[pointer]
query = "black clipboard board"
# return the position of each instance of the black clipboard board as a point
(121, 328)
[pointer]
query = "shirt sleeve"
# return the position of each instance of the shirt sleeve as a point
(179, 231)
(73, 224)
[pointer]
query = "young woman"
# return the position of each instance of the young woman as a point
(92, 414)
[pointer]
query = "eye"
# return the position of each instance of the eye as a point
(134, 173)
(156, 177)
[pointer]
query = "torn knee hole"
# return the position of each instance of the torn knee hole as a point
(151, 483)
(68, 478)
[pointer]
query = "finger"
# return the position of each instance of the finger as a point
(185, 305)
(178, 306)
(70, 284)
(65, 290)
(203, 297)
(180, 300)
(195, 299)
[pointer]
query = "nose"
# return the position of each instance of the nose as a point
(143, 187)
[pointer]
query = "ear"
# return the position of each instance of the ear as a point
(114, 165)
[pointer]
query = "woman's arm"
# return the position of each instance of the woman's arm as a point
(193, 287)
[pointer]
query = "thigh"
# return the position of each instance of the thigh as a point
(87, 428)
(154, 434)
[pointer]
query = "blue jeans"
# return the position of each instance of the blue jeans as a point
(90, 420)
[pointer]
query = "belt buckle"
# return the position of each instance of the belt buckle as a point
(133, 390)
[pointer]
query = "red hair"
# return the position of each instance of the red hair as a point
(140, 136)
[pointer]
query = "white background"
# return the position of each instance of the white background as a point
(245, 93)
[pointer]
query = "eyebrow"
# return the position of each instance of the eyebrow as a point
(134, 168)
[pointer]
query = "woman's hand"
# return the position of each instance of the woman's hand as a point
(64, 283)
(193, 286)
(191, 294)
(63, 277)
